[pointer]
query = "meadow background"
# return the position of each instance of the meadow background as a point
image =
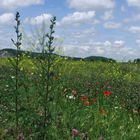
(48, 96)
(78, 107)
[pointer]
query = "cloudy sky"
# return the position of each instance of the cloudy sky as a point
(109, 28)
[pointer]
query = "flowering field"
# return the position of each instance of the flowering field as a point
(87, 101)
(49, 97)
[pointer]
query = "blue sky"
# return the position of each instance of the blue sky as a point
(109, 28)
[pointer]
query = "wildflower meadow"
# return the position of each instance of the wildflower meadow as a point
(49, 97)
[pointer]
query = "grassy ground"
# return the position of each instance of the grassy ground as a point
(78, 106)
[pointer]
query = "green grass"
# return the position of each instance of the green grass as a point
(116, 117)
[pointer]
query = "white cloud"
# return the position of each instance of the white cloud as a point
(6, 33)
(85, 33)
(134, 29)
(38, 19)
(134, 3)
(115, 49)
(112, 49)
(136, 17)
(8, 4)
(138, 42)
(91, 4)
(112, 25)
(107, 44)
(133, 18)
(77, 18)
(115, 44)
(96, 21)
(119, 43)
(107, 15)
(6, 18)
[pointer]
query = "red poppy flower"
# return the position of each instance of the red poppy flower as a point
(74, 131)
(74, 92)
(93, 100)
(86, 103)
(84, 98)
(106, 93)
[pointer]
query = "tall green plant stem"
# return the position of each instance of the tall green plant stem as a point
(17, 44)
(48, 52)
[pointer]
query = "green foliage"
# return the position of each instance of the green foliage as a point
(99, 58)
(137, 60)
(114, 117)
(12, 53)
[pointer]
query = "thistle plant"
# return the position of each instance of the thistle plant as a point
(46, 62)
(16, 61)
(48, 52)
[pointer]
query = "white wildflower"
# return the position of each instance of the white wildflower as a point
(70, 97)
(12, 77)
(116, 107)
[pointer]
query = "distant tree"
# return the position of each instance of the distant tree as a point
(137, 60)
